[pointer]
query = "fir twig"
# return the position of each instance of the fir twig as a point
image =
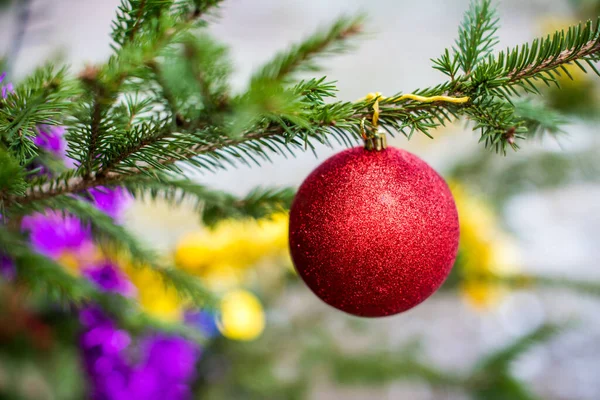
(476, 35)
(121, 242)
(331, 40)
(212, 204)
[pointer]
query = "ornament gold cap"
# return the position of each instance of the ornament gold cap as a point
(377, 141)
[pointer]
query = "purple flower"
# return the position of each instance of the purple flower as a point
(7, 267)
(110, 278)
(107, 339)
(6, 89)
(92, 316)
(174, 357)
(50, 138)
(103, 347)
(145, 383)
(52, 233)
(165, 368)
(111, 201)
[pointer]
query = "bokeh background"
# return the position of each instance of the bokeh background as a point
(530, 226)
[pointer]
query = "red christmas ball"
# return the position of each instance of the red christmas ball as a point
(373, 233)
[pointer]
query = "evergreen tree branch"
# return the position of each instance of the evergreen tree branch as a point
(382, 367)
(42, 274)
(167, 94)
(300, 56)
(302, 115)
(137, 21)
(213, 205)
(476, 35)
(542, 60)
(500, 361)
(12, 178)
(120, 241)
(132, 15)
(98, 109)
(40, 99)
(93, 125)
(539, 119)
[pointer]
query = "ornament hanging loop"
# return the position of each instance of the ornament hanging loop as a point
(376, 140)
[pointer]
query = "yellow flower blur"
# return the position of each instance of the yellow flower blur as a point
(242, 316)
(222, 256)
(155, 298)
(486, 253)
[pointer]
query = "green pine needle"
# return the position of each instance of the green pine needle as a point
(331, 40)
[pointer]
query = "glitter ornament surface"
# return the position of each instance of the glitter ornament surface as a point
(373, 233)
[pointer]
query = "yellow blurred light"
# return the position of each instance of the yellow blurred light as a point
(154, 296)
(242, 316)
(487, 253)
(232, 245)
(482, 295)
(87, 255)
(197, 250)
(69, 261)
(221, 277)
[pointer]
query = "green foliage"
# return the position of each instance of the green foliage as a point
(491, 378)
(500, 361)
(117, 240)
(492, 82)
(476, 35)
(213, 205)
(12, 176)
(162, 104)
(41, 274)
(133, 15)
(543, 60)
(300, 57)
(194, 79)
(42, 98)
(539, 119)
(384, 366)
(500, 179)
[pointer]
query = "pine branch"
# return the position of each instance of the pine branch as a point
(498, 123)
(499, 361)
(138, 20)
(39, 99)
(539, 119)
(12, 177)
(167, 94)
(301, 56)
(542, 60)
(501, 179)
(591, 288)
(492, 378)
(381, 367)
(98, 109)
(212, 204)
(131, 15)
(476, 35)
(134, 17)
(42, 274)
(120, 241)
